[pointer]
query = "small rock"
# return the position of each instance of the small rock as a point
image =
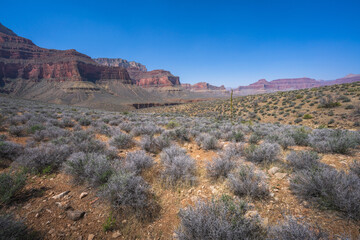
(51, 231)
(91, 236)
(75, 215)
(306, 204)
(214, 191)
(280, 175)
(194, 199)
(273, 170)
(83, 194)
(265, 221)
(272, 194)
(27, 206)
(63, 205)
(116, 234)
(37, 215)
(190, 190)
(251, 214)
(197, 156)
(124, 221)
(61, 195)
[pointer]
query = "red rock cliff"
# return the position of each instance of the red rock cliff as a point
(139, 74)
(20, 58)
(202, 86)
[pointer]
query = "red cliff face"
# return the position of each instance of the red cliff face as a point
(139, 74)
(156, 78)
(292, 84)
(20, 58)
(281, 84)
(202, 86)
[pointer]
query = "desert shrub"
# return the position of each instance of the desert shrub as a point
(300, 136)
(328, 102)
(343, 98)
(50, 133)
(103, 129)
(138, 161)
(169, 153)
(84, 141)
(220, 167)
(18, 131)
(154, 144)
(355, 167)
(283, 138)
(207, 142)
(32, 128)
(45, 157)
(18, 119)
(115, 122)
(10, 185)
(219, 219)
(84, 121)
(232, 151)
(172, 124)
(122, 141)
(92, 168)
(77, 128)
(11, 229)
(264, 153)
(182, 134)
(329, 188)
(126, 190)
(238, 136)
(303, 159)
(254, 138)
(2, 122)
(177, 167)
(246, 182)
(67, 122)
(298, 120)
(333, 141)
(307, 116)
(125, 126)
(145, 130)
(10, 150)
(109, 224)
(331, 121)
(294, 229)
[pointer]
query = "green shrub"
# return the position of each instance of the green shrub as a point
(172, 124)
(10, 185)
(307, 116)
(109, 223)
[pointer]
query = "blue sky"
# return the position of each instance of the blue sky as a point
(221, 42)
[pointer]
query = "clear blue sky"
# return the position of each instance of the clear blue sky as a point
(221, 42)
